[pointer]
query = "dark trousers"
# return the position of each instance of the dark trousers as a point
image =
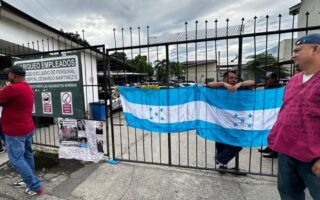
(2, 140)
(225, 152)
(294, 177)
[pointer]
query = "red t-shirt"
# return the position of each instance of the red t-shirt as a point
(17, 101)
(297, 130)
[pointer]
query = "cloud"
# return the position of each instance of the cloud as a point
(98, 18)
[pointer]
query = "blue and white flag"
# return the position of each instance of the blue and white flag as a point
(241, 118)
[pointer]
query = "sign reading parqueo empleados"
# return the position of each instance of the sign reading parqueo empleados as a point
(57, 76)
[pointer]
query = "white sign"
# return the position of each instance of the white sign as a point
(50, 70)
(66, 103)
(46, 102)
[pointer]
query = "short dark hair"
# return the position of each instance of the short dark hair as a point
(225, 75)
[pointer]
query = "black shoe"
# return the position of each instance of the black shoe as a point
(265, 150)
(271, 155)
(222, 168)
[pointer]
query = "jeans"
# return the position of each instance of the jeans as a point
(21, 158)
(294, 176)
(226, 152)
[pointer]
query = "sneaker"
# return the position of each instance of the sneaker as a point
(271, 155)
(32, 193)
(19, 184)
(221, 167)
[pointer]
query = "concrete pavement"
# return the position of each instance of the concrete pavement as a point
(71, 179)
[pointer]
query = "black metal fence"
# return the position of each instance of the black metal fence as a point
(94, 92)
(197, 56)
(253, 49)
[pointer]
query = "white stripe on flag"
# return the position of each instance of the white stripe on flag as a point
(199, 110)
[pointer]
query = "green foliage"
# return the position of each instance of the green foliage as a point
(262, 63)
(174, 69)
(141, 65)
(161, 70)
(120, 56)
(76, 37)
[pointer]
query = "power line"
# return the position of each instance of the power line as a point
(49, 12)
(27, 6)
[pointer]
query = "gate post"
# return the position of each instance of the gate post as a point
(107, 84)
(168, 86)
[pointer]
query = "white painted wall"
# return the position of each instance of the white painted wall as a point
(18, 31)
(21, 32)
(201, 72)
(90, 81)
(313, 7)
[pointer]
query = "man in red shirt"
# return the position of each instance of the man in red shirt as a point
(17, 100)
(296, 133)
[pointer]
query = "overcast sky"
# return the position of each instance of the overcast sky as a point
(99, 17)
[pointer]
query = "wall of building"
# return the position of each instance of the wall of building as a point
(313, 7)
(198, 74)
(90, 79)
(16, 32)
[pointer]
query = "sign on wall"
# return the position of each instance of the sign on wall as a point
(57, 84)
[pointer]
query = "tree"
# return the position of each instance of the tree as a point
(175, 69)
(262, 63)
(141, 65)
(120, 56)
(161, 70)
(76, 37)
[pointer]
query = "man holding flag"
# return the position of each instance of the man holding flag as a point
(226, 152)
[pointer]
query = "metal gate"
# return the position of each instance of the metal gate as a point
(253, 49)
(197, 56)
(94, 91)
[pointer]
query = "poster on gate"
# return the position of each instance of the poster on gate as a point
(81, 139)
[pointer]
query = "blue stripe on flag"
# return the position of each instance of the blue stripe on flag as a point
(220, 98)
(243, 99)
(159, 97)
(236, 137)
(237, 101)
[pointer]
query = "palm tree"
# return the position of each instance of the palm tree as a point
(161, 70)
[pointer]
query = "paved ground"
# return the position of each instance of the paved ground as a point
(71, 179)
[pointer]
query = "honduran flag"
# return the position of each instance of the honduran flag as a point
(242, 118)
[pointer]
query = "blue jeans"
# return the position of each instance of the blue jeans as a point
(225, 152)
(294, 177)
(21, 158)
